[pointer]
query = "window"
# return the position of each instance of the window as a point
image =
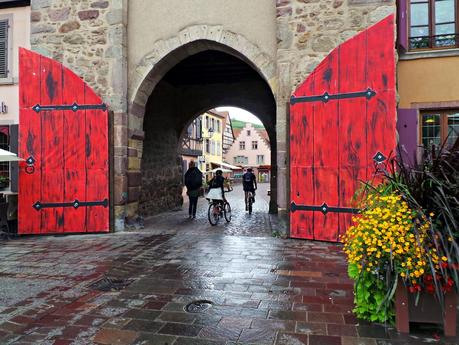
(432, 24)
(5, 45)
(207, 146)
(207, 122)
(254, 145)
(260, 159)
(241, 160)
(439, 126)
(212, 126)
(248, 133)
(218, 149)
(218, 126)
(199, 128)
(242, 145)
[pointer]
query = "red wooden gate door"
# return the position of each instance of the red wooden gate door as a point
(63, 135)
(342, 125)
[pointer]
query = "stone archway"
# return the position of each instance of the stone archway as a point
(146, 84)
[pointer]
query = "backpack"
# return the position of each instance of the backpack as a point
(248, 177)
(193, 180)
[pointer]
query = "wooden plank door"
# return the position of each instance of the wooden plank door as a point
(63, 135)
(342, 127)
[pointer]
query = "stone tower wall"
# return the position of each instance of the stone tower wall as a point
(90, 37)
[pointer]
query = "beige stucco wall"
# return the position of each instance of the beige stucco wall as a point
(428, 80)
(164, 19)
(9, 92)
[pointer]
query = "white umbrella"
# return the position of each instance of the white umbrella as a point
(7, 156)
(222, 169)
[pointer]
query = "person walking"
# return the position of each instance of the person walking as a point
(193, 183)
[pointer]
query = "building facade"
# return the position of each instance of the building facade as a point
(145, 60)
(228, 135)
(427, 68)
(191, 149)
(251, 150)
(14, 33)
(212, 135)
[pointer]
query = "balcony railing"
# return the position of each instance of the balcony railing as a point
(432, 42)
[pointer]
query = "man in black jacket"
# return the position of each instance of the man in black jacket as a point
(193, 183)
(249, 184)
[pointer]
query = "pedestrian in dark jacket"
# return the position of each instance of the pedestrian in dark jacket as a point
(193, 183)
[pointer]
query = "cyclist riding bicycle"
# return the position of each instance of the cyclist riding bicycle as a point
(216, 187)
(249, 184)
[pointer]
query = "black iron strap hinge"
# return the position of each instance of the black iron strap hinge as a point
(324, 208)
(74, 107)
(75, 204)
(368, 94)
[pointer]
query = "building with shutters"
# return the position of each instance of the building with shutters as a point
(212, 136)
(14, 32)
(427, 70)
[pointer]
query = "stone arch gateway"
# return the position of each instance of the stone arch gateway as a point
(191, 78)
(122, 49)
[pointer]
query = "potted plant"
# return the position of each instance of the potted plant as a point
(403, 244)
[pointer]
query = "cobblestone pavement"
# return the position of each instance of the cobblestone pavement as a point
(264, 290)
(242, 224)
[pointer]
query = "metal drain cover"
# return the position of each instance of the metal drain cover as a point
(110, 284)
(198, 306)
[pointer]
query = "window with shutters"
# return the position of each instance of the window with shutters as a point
(4, 46)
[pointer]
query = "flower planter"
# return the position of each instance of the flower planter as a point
(427, 310)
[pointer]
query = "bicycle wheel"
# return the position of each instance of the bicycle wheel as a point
(249, 202)
(227, 212)
(213, 216)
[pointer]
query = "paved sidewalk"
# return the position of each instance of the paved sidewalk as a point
(263, 290)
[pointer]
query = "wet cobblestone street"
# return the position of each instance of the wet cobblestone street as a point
(242, 224)
(263, 290)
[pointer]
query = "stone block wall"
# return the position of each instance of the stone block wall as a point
(159, 163)
(86, 36)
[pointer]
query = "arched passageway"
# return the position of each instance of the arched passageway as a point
(195, 84)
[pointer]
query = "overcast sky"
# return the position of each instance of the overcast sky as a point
(240, 114)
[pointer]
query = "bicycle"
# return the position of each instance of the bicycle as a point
(216, 211)
(249, 201)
